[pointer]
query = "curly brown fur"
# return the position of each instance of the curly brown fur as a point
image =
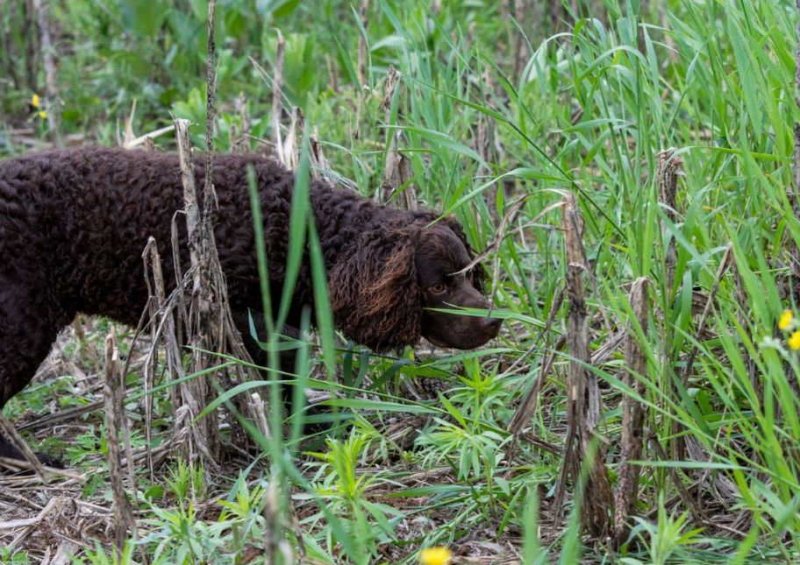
(73, 225)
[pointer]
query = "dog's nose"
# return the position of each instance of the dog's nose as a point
(492, 325)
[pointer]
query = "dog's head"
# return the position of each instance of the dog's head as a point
(393, 288)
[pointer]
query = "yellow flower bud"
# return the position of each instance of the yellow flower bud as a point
(42, 114)
(436, 555)
(794, 340)
(785, 319)
(36, 101)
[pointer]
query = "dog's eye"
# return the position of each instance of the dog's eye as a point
(437, 288)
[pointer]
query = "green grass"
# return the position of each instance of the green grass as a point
(589, 111)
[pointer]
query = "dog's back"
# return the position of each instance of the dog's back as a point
(77, 221)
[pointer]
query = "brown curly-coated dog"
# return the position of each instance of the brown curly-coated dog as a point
(73, 225)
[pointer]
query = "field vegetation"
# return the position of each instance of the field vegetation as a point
(629, 167)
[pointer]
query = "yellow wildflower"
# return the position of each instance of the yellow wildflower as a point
(794, 340)
(785, 319)
(36, 101)
(436, 555)
(42, 114)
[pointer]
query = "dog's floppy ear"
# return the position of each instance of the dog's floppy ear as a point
(477, 274)
(375, 296)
